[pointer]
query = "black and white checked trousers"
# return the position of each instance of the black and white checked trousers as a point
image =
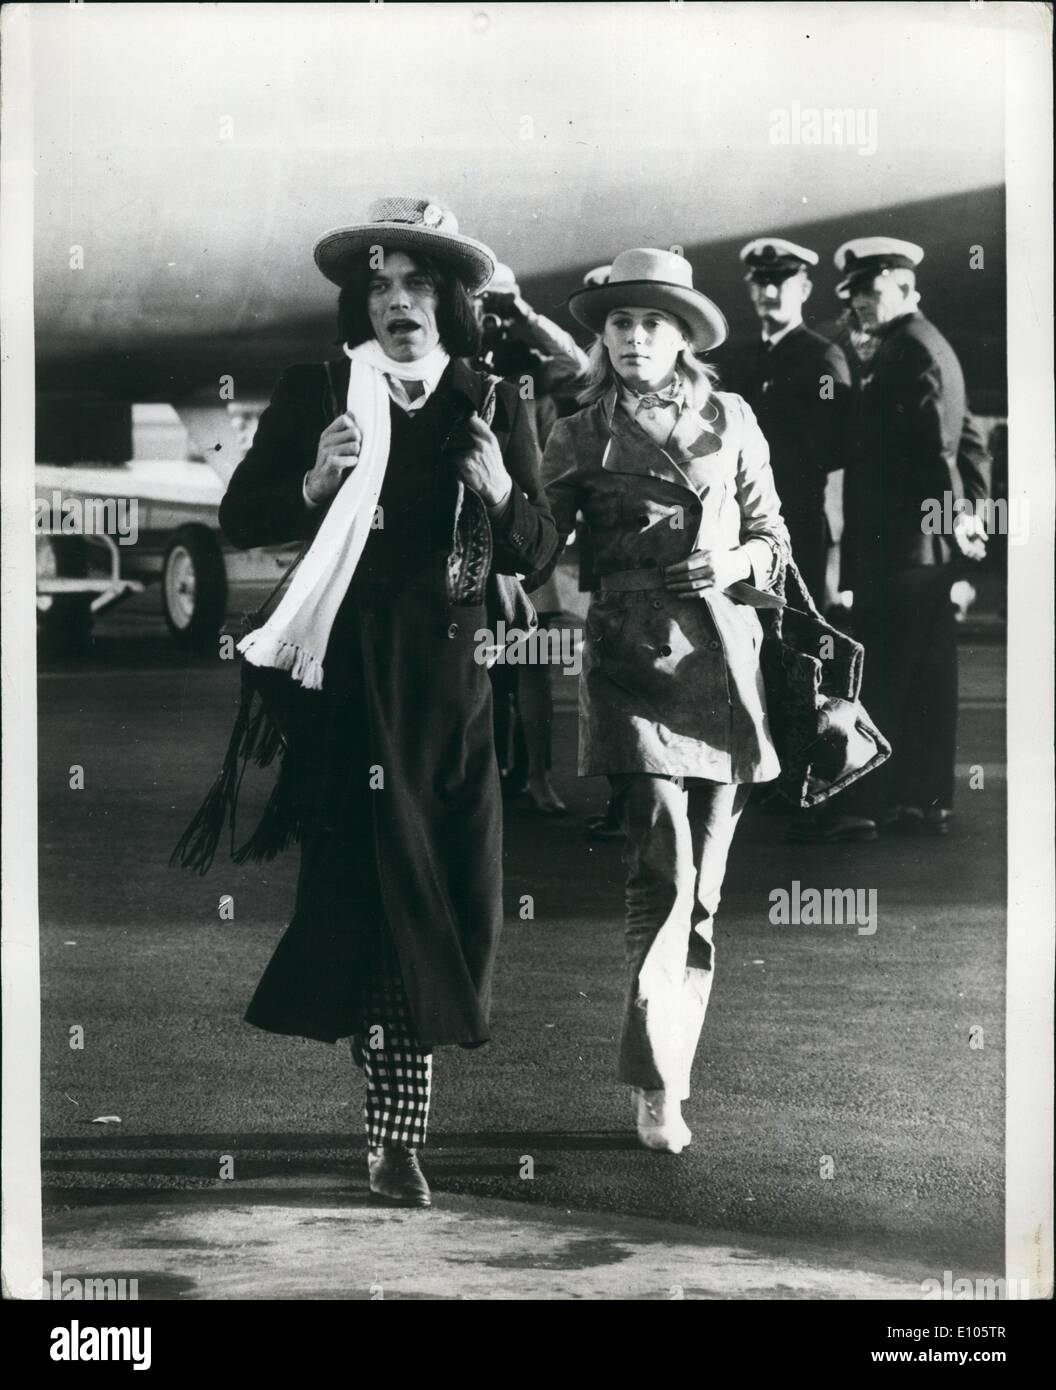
(397, 1072)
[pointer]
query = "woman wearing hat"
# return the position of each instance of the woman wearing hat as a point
(385, 461)
(674, 481)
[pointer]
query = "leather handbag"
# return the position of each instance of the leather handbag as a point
(812, 673)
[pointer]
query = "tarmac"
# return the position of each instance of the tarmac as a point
(848, 1142)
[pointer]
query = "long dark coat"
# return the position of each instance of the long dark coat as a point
(392, 762)
(914, 440)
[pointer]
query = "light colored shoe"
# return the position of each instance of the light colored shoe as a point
(660, 1123)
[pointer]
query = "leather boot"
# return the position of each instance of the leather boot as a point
(395, 1176)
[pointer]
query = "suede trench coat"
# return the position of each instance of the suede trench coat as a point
(418, 857)
(670, 685)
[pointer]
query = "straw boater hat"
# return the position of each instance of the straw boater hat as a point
(649, 279)
(407, 224)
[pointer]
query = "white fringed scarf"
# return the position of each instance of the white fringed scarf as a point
(294, 638)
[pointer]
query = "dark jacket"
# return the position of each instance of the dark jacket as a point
(914, 442)
(404, 691)
(800, 391)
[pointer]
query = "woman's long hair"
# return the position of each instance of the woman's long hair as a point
(601, 374)
(455, 317)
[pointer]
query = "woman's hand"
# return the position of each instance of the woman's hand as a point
(706, 570)
(480, 466)
(338, 452)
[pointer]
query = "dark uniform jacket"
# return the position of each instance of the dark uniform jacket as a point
(914, 442)
(800, 392)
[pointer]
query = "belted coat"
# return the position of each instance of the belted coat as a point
(415, 853)
(670, 685)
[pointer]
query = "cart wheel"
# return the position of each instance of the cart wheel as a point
(194, 587)
(64, 621)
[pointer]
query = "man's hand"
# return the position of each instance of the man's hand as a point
(480, 466)
(507, 306)
(338, 453)
(969, 533)
(706, 570)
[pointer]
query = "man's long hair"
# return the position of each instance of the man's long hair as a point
(455, 318)
(601, 374)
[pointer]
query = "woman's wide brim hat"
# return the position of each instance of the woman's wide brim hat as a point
(411, 225)
(646, 278)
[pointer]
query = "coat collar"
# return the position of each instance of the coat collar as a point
(895, 326)
(630, 450)
(768, 348)
(460, 379)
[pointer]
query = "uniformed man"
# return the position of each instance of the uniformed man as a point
(798, 385)
(915, 447)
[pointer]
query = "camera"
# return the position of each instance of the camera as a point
(496, 321)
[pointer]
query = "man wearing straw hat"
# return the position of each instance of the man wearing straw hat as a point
(419, 479)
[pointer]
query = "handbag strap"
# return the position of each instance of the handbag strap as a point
(809, 609)
(487, 405)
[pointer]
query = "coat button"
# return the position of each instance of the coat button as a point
(452, 631)
(714, 645)
(665, 651)
(657, 603)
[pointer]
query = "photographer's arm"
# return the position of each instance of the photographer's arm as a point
(567, 358)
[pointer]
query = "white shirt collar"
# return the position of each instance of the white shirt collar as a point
(399, 393)
(674, 391)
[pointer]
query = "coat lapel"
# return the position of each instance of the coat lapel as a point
(694, 438)
(697, 434)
